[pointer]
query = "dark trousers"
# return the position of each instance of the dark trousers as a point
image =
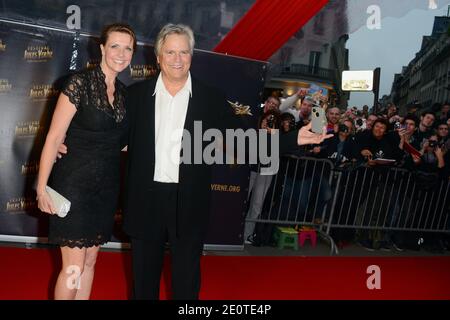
(148, 254)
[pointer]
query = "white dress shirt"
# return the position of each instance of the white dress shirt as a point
(170, 115)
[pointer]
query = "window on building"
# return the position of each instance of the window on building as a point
(314, 61)
(285, 55)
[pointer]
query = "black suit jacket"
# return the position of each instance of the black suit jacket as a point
(207, 105)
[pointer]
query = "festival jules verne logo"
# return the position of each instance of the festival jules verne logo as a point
(30, 168)
(37, 53)
(21, 204)
(5, 86)
(2, 46)
(43, 92)
(28, 128)
(142, 71)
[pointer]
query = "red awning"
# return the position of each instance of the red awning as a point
(267, 26)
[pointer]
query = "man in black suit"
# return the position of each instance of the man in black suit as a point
(166, 198)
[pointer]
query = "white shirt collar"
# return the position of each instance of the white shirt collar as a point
(160, 87)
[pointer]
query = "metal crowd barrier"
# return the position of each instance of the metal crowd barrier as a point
(312, 192)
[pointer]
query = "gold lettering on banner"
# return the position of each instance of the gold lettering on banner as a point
(21, 204)
(30, 168)
(38, 53)
(225, 188)
(29, 128)
(5, 86)
(142, 71)
(92, 64)
(2, 46)
(43, 92)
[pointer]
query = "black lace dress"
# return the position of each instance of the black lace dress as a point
(88, 175)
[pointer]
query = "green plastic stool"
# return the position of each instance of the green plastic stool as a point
(286, 238)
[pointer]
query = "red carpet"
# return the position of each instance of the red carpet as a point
(30, 274)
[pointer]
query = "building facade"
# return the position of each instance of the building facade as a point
(315, 55)
(426, 79)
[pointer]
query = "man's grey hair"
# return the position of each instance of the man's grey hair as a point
(171, 28)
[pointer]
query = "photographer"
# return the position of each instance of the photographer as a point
(432, 159)
(392, 116)
(406, 132)
(339, 149)
(425, 129)
(431, 170)
(271, 104)
(259, 183)
(404, 135)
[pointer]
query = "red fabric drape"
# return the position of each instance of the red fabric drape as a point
(267, 26)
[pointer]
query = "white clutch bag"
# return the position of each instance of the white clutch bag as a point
(62, 205)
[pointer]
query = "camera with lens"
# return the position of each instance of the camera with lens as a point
(270, 121)
(435, 144)
(343, 128)
(398, 125)
(359, 122)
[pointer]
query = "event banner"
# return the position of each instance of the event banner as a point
(35, 61)
(32, 62)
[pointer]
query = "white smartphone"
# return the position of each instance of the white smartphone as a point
(318, 119)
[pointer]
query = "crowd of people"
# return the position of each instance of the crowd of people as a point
(417, 141)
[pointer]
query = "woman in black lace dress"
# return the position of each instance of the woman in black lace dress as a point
(90, 119)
